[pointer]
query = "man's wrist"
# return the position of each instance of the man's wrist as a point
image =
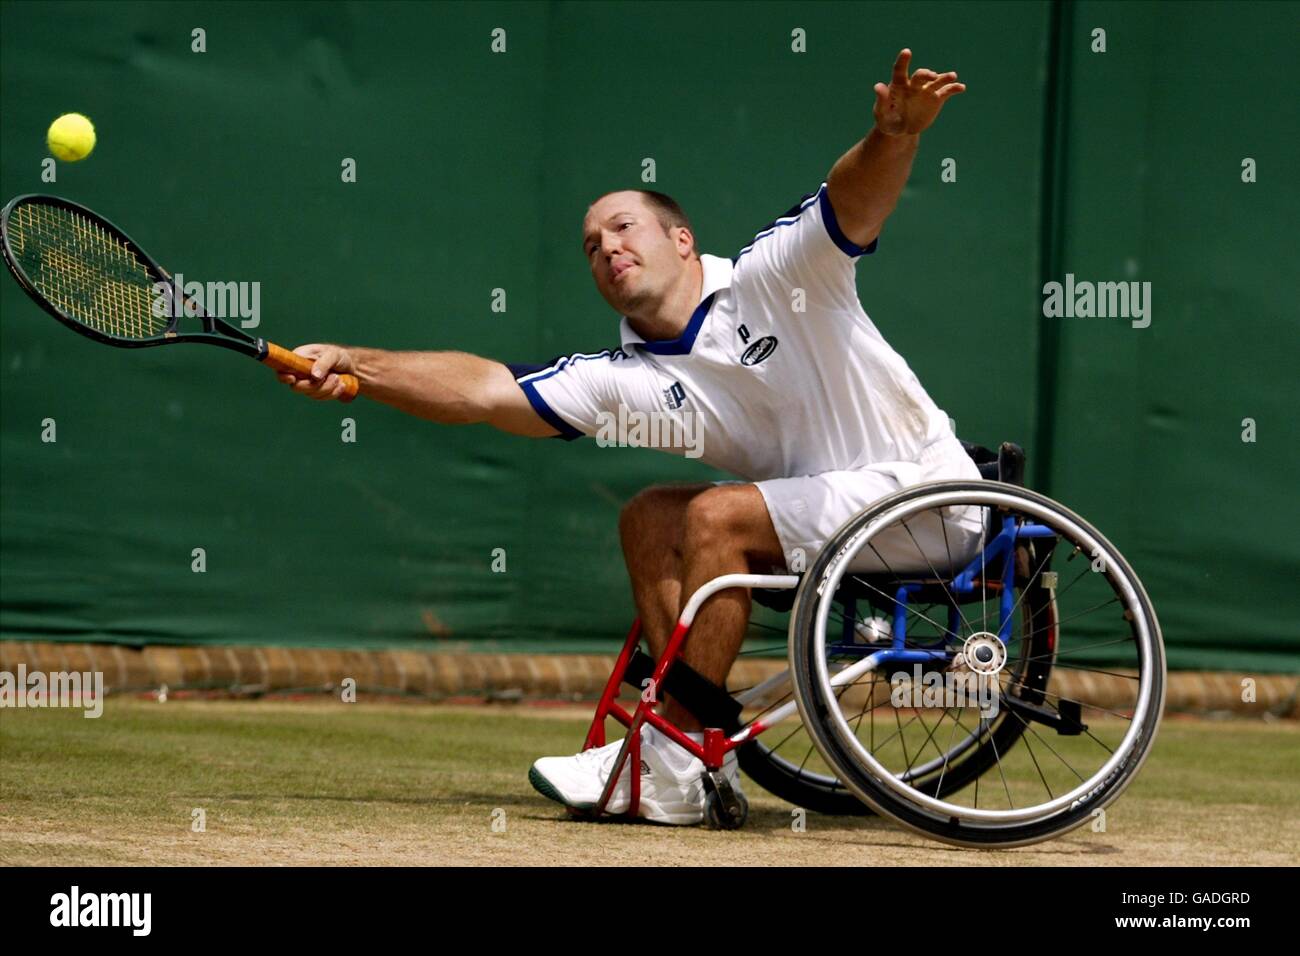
(894, 137)
(367, 364)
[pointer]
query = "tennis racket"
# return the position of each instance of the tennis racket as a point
(89, 275)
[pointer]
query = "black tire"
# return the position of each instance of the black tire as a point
(715, 818)
(796, 786)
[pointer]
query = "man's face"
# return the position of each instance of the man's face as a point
(633, 260)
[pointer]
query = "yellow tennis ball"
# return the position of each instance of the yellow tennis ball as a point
(71, 137)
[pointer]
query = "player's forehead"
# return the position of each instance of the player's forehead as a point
(610, 206)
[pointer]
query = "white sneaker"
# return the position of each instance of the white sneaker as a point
(671, 788)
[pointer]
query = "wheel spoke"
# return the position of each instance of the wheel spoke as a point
(907, 607)
(1075, 617)
(1076, 650)
(944, 769)
(1041, 776)
(929, 739)
(1024, 590)
(1029, 727)
(998, 758)
(871, 698)
(900, 729)
(1098, 670)
(898, 719)
(938, 577)
(1082, 703)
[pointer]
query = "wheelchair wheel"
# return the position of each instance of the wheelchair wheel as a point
(784, 760)
(1050, 621)
(790, 779)
(717, 818)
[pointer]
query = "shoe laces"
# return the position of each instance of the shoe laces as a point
(601, 759)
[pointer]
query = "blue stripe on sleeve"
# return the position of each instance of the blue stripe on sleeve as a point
(567, 431)
(847, 246)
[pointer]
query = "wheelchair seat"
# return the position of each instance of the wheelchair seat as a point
(1007, 465)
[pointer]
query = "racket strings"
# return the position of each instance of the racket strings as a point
(84, 271)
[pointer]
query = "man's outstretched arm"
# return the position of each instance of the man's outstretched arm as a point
(865, 183)
(452, 388)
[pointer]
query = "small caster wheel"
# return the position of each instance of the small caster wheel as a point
(716, 816)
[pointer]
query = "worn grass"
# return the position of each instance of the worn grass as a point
(311, 782)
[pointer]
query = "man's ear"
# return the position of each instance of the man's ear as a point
(685, 240)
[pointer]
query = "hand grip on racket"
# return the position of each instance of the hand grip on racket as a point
(282, 360)
(88, 274)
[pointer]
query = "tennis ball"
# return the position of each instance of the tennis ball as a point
(71, 137)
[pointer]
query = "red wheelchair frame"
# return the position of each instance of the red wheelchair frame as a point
(717, 743)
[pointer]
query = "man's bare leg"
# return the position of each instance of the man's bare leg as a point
(650, 529)
(676, 539)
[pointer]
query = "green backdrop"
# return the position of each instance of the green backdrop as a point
(474, 169)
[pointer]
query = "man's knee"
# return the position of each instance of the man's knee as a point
(716, 519)
(656, 513)
(731, 519)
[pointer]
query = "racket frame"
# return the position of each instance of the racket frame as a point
(215, 331)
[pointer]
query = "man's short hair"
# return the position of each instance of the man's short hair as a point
(666, 209)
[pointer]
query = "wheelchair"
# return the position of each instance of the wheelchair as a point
(993, 688)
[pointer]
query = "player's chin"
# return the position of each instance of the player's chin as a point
(624, 298)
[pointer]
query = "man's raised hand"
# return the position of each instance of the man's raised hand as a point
(909, 104)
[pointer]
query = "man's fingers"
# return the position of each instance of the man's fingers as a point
(328, 358)
(952, 89)
(922, 78)
(321, 391)
(900, 65)
(938, 80)
(325, 355)
(323, 382)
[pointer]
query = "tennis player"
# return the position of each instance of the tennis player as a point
(766, 358)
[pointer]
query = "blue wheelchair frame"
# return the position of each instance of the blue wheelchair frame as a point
(1001, 547)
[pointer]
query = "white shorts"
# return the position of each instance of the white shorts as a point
(807, 511)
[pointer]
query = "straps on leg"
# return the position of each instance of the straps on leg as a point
(711, 705)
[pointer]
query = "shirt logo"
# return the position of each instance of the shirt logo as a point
(674, 396)
(759, 350)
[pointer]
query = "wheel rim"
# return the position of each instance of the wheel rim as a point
(1118, 576)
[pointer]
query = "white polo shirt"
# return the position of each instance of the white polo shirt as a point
(782, 369)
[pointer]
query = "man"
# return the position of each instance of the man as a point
(768, 358)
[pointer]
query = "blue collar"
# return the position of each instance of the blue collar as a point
(717, 276)
(683, 343)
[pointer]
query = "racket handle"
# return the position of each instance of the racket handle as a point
(282, 360)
